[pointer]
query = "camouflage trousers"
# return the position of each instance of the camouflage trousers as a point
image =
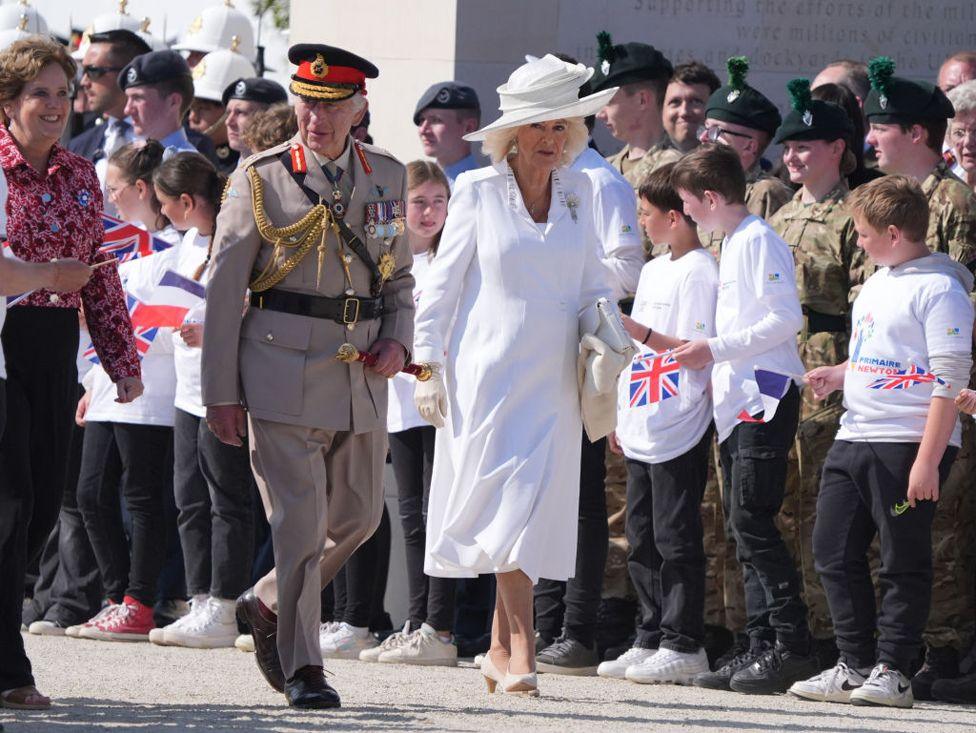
(616, 576)
(725, 600)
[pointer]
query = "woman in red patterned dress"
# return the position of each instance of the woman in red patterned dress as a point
(54, 211)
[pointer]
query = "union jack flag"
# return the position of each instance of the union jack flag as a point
(126, 241)
(141, 315)
(653, 378)
(905, 379)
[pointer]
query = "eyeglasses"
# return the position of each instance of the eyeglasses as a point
(713, 133)
(959, 134)
(97, 72)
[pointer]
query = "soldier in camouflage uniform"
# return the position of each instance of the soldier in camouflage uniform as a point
(829, 265)
(908, 122)
(633, 116)
(743, 118)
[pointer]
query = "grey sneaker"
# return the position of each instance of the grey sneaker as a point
(568, 656)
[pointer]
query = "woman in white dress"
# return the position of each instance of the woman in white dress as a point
(498, 318)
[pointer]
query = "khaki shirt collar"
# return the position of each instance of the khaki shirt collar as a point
(343, 161)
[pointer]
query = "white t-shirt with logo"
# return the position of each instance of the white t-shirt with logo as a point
(401, 412)
(675, 298)
(757, 318)
(902, 317)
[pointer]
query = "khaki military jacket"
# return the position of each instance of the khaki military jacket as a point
(765, 194)
(952, 215)
(282, 366)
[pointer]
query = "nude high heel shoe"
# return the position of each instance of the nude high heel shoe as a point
(491, 674)
(525, 685)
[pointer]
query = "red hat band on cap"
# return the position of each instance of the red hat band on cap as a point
(317, 71)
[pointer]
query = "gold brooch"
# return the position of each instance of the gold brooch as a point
(386, 265)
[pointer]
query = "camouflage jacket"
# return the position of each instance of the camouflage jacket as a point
(952, 215)
(765, 194)
(634, 170)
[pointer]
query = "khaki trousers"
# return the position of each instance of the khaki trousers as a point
(323, 493)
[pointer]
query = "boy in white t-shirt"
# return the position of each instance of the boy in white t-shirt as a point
(757, 318)
(664, 429)
(910, 356)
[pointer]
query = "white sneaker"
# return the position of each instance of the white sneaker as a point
(245, 643)
(668, 667)
(424, 648)
(617, 668)
(196, 604)
(213, 626)
(885, 686)
(831, 685)
(393, 641)
(346, 642)
(46, 628)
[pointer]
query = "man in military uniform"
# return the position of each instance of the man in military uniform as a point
(313, 228)
(908, 121)
(743, 118)
(829, 264)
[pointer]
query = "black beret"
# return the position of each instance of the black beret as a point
(255, 89)
(121, 36)
(447, 95)
(893, 99)
(152, 68)
(627, 63)
(327, 72)
(739, 103)
(812, 119)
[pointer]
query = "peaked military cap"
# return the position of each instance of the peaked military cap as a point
(327, 72)
(893, 99)
(255, 89)
(447, 95)
(741, 104)
(120, 35)
(152, 68)
(812, 119)
(627, 63)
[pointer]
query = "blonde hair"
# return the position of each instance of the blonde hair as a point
(23, 60)
(892, 200)
(499, 144)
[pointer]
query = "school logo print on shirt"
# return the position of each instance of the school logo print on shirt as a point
(653, 378)
(863, 330)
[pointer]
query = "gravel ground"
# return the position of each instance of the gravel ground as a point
(140, 687)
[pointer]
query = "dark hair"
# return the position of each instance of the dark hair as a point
(182, 85)
(193, 175)
(123, 45)
(658, 86)
(852, 164)
(856, 73)
(695, 72)
(657, 190)
(711, 167)
(138, 162)
(935, 132)
(420, 172)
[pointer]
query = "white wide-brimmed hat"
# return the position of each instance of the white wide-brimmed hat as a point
(541, 90)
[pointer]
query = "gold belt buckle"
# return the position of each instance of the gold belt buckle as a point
(345, 311)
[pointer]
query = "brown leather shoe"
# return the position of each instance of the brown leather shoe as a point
(263, 624)
(308, 689)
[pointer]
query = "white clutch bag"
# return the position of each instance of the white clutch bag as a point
(605, 351)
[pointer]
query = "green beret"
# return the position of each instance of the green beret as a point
(739, 103)
(893, 99)
(812, 119)
(627, 63)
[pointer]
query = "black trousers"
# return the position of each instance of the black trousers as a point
(69, 589)
(666, 559)
(359, 589)
(572, 607)
(431, 599)
(146, 456)
(214, 490)
(40, 345)
(753, 461)
(861, 484)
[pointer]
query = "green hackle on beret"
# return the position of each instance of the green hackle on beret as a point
(738, 68)
(880, 71)
(799, 91)
(604, 47)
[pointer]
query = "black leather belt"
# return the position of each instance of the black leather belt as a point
(341, 310)
(823, 323)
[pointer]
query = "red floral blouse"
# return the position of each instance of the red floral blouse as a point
(59, 215)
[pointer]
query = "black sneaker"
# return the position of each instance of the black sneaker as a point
(720, 678)
(774, 671)
(941, 663)
(740, 645)
(568, 656)
(961, 690)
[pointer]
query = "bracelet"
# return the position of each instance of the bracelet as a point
(649, 332)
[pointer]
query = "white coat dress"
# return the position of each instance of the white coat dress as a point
(505, 488)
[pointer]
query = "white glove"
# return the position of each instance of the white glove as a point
(430, 397)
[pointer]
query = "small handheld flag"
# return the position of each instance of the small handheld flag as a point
(772, 389)
(126, 241)
(653, 378)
